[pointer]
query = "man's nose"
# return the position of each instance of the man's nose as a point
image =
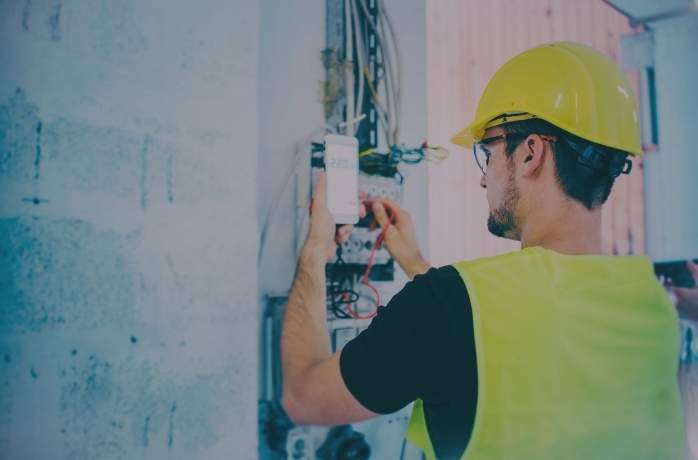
(482, 181)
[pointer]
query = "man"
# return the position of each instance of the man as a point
(554, 351)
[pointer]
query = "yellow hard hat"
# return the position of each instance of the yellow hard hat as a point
(572, 86)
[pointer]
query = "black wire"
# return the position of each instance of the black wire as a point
(333, 284)
(354, 296)
(349, 291)
(337, 284)
(409, 156)
(385, 164)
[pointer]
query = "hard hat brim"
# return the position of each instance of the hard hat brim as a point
(467, 136)
(569, 85)
(475, 131)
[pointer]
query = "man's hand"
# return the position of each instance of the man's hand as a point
(399, 236)
(687, 298)
(313, 388)
(323, 233)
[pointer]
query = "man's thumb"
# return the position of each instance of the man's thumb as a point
(381, 215)
(693, 268)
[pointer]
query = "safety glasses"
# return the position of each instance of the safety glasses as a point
(482, 153)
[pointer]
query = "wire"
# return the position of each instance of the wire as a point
(337, 284)
(387, 80)
(381, 111)
(395, 73)
(386, 164)
(355, 121)
(271, 210)
(390, 56)
(349, 68)
(364, 278)
(392, 97)
(360, 48)
(435, 153)
(368, 151)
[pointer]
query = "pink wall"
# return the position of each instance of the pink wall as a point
(467, 40)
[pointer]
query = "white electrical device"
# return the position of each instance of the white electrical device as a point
(342, 166)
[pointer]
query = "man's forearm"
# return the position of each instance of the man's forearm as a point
(304, 338)
(418, 266)
(411, 261)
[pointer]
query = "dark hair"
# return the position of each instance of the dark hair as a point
(585, 170)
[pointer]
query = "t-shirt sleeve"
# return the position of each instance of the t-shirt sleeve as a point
(404, 352)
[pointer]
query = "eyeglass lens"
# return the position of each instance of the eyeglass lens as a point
(482, 156)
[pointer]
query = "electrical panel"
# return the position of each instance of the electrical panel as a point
(361, 98)
(281, 439)
(356, 251)
(357, 248)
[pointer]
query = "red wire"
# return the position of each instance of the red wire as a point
(369, 265)
(354, 314)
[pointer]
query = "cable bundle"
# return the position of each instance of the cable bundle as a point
(348, 79)
(386, 164)
(340, 285)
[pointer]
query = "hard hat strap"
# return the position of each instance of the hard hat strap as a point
(594, 157)
(508, 118)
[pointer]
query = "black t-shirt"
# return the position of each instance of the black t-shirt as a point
(421, 345)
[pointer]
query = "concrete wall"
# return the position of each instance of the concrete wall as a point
(131, 136)
(128, 229)
(290, 116)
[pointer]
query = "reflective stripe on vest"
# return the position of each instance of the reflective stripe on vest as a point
(577, 358)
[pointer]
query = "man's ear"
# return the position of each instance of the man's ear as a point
(533, 155)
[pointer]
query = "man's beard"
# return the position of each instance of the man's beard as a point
(501, 221)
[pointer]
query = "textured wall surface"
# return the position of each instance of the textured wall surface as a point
(290, 116)
(128, 229)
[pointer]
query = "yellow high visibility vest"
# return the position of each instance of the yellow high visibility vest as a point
(577, 358)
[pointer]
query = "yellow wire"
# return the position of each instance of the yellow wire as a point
(370, 84)
(437, 153)
(363, 153)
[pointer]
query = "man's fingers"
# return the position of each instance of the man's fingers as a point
(399, 215)
(393, 207)
(343, 233)
(380, 214)
(693, 268)
(362, 210)
(390, 203)
(320, 192)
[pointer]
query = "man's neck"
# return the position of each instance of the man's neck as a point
(573, 230)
